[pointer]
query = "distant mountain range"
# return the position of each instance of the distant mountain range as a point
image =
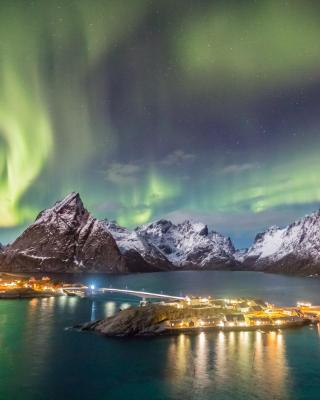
(294, 249)
(66, 238)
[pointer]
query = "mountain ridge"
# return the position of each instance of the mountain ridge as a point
(67, 238)
(294, 248)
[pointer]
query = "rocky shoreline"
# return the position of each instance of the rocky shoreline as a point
(155, 320)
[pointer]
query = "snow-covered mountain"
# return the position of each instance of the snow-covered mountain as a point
(63, 238)
(189, 245)
(132, 244)
(294, 249)
(66, 238)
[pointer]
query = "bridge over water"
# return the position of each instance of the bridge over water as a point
(91, 291)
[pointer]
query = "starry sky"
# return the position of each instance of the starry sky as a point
(207, 110)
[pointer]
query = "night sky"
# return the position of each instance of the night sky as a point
(208, 110)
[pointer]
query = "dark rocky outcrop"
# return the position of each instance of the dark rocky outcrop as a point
(149, 320)
(132, 322)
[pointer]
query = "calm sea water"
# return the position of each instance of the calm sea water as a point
(40, 359)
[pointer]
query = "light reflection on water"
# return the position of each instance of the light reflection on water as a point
(232, 360)
(37, 352)
(110, 308)
(93, 311)
(223, 359)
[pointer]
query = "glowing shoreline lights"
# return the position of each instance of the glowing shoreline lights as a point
(238, 314)
(195, 313)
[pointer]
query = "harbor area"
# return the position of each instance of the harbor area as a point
(160, 313)
(205, 313)
(197, 314)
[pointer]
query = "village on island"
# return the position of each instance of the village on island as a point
(175, 313)
(240, 313)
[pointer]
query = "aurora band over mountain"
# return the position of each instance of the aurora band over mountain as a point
(204, 110)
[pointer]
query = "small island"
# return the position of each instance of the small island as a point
(198, 314)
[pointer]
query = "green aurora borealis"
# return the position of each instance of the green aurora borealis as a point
(168, 108)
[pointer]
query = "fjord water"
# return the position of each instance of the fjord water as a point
(42, 360)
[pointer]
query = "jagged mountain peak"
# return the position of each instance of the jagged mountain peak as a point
(161, 226)
(194, 227)
(64, 238)
(187, 226)
(294, 248)
(189, 244)
(72, 200)
(71, 206)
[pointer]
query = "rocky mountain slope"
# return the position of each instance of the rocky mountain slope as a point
(294, 249)
(66, 238)
(190, 245)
